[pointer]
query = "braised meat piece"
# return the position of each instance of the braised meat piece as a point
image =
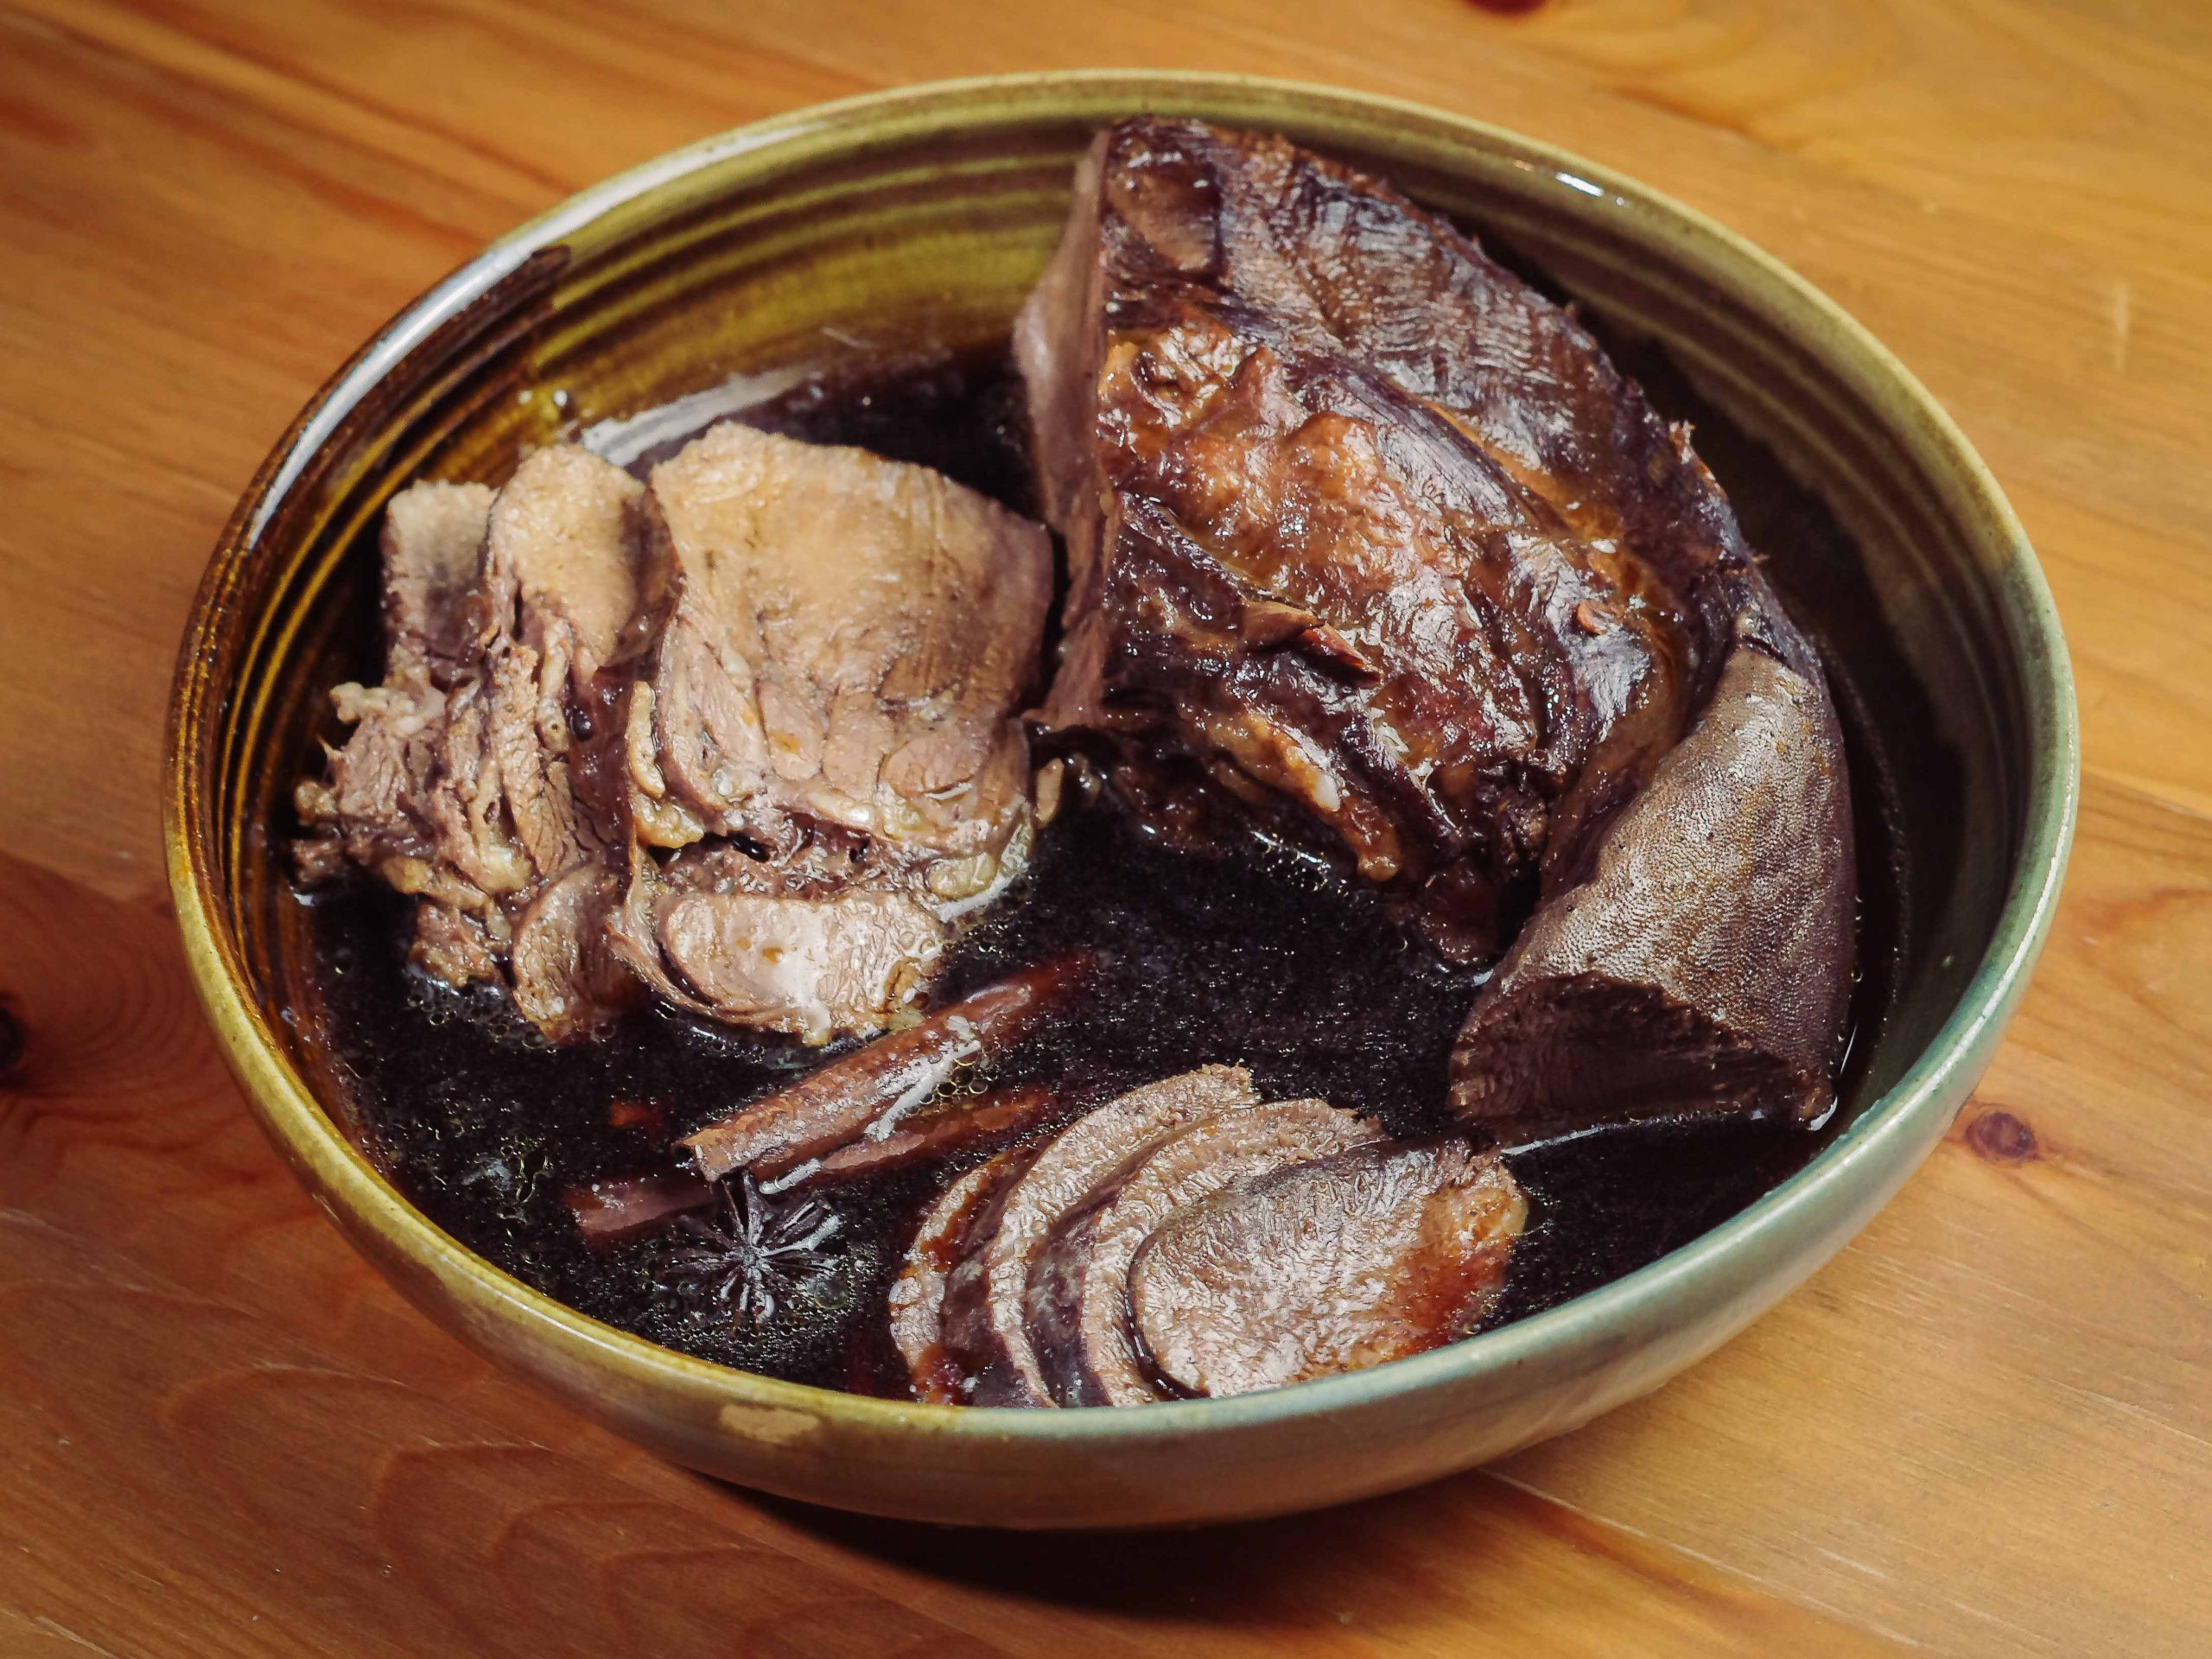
(986, 1300)
(1078, 1292)
(944, 1240)
(1371, 539)
(831, 698)
(1333, 1265)
(1300, 580)
(747, 736)
(455, 785)
(1704, 964)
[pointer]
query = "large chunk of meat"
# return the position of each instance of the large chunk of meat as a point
(1302, 582)
(1369, 537)
(748, 737)
(1333, 1265)
(831, 698)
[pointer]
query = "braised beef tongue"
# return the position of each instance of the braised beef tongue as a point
(986, 1293)
(456, 784)
(1704, 964)
(1301, 588)
(944, 1240)
(1078, 1291)
(1371, 1254)
(848, 642)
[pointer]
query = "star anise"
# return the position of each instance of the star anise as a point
(750, 1253)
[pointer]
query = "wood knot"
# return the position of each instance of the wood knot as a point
(11, 1038)
(1998, 1137)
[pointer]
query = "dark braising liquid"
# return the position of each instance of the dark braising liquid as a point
(1264, 958)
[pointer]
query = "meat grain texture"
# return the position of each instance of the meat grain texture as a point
(1370, 544)
(743, 736)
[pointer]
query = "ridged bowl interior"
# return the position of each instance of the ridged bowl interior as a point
(914, 223)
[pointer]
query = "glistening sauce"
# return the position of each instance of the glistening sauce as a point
(1261, 956)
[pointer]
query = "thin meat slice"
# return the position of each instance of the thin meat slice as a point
(884, 1081)
(848, 642)
(567, 980)
(937, 1131)
(1371, 1254)
(986, 1321)
(375, 807)
(917, 1296)
(1703, 967)
(805, 944)
(1079, 1293)
(610, 1211)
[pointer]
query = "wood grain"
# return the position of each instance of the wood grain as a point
(1986, 1428)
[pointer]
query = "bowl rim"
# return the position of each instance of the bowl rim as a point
(1859, 1159)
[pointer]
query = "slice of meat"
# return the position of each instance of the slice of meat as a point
(373, 805)
(433, 542)
(567, 980)
(1704, 964)
(884, 1081)
(985, 1313)
(1078, 1290)
(561, 580)
(456, 784)
(937, 1131)
(1371, 1254)
(815, 967)
(917, 1296)
(1300, 588)
(609, 1213)
(849, 639)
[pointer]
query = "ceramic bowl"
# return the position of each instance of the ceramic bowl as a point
(920, 217)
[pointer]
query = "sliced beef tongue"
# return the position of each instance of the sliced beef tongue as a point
(1704, 964)
(943, 1242)
(986, 1325)
(1297, 578)
(1078, 1290)
(1373, 1254)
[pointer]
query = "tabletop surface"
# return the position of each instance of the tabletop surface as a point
(1986, 1428)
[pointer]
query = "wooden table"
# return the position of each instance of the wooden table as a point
(1986, 1428)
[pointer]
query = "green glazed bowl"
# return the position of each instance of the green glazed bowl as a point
(918, 219)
